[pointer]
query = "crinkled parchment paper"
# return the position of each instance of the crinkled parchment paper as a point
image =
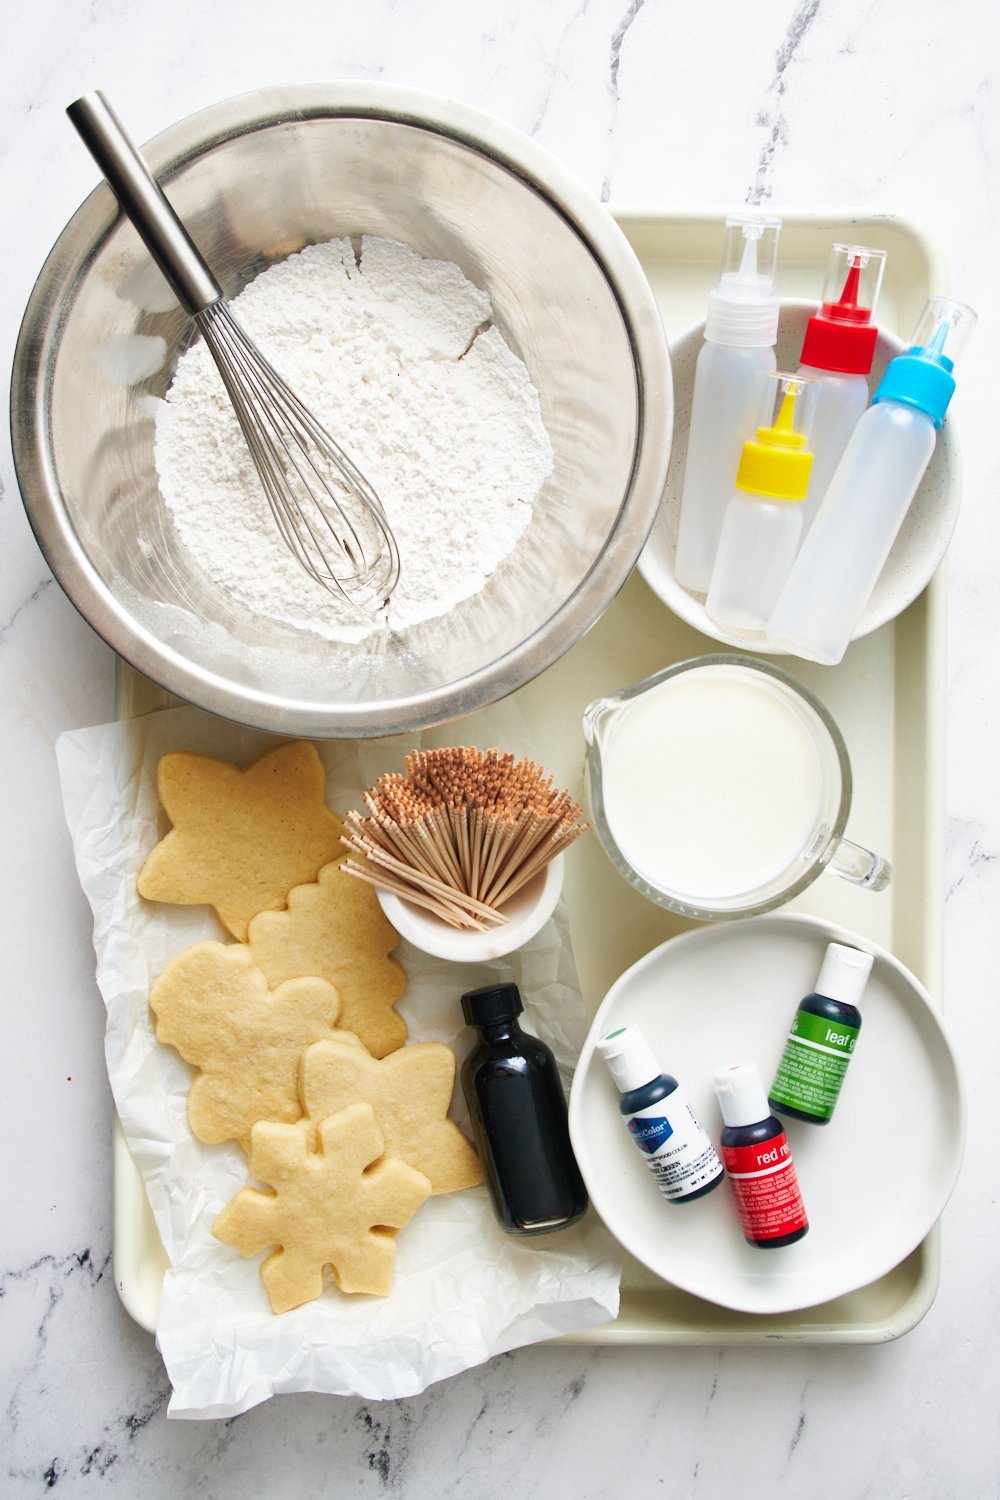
(463, 1290)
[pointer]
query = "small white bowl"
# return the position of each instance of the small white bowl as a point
(527, 913)
(918, 550)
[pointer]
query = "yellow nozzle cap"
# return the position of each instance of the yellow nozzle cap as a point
(777, 464)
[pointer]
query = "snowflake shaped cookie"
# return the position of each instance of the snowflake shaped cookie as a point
(330, 1207)
(410, 1091)
(241, 837)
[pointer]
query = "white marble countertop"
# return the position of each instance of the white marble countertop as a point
(891, 106)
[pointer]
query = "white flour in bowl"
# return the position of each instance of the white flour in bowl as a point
(395, 355)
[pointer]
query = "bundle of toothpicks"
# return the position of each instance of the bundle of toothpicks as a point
(461, 832)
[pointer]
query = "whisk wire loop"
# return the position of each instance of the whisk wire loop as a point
(323, 506)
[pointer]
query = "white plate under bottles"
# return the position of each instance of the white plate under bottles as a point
(874, 1179)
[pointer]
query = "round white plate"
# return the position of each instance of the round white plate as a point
(874, 1179)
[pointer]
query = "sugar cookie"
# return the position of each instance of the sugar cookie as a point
(214, 1006)
(329, 1207)
(241, 837)
(335, 928)
(410, 1091)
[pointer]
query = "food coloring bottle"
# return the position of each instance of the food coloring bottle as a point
(821, 1042)
(758, 1161)
(763, 521)
(740, 329)
(519, 1119)
(838, 350)
(671, 1138)
(842, 556)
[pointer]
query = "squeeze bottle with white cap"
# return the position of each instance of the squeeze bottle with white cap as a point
(842, 556)
(838, 350)
(763, 521)
(758, 1160)
(822, 1039)
(740, 330)
(673, 1142)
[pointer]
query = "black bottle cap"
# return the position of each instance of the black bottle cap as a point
(492, 1003)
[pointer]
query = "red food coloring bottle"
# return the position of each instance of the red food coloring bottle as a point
(758, 1161)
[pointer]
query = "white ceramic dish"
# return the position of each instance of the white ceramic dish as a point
(874, 1180)
(918, 549)
(527, 913)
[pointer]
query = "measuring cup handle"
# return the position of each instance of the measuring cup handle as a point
(860, 866)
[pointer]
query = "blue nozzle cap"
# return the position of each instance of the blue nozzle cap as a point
(914, 379)
(922, 376)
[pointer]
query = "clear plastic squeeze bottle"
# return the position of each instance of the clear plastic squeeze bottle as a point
(763, 521)
(838, 350)
(840, 560)
(740, 329)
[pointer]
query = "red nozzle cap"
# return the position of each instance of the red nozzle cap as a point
(842, 336)
(846, 308)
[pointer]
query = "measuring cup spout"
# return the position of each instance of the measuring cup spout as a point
(597, 719)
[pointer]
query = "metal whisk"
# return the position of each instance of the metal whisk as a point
(325, 510)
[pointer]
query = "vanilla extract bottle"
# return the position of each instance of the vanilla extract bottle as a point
(519, 1118)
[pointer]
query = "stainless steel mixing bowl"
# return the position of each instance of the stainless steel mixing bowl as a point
(255, 179)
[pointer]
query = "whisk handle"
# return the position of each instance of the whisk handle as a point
(143, 201)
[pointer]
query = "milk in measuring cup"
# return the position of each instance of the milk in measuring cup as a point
(713, 785)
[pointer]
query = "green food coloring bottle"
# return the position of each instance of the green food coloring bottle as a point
(822, 1039)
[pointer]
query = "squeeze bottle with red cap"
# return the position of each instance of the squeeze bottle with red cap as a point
(763, 524)
(758, 1161)
(842, 556)
(837, 351)
(740, 329)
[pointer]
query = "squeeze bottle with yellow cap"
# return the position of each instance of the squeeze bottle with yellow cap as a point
(763, 521)
(740, 329)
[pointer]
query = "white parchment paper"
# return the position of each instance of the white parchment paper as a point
(463, 1289)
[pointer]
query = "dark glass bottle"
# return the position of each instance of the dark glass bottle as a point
(519, 1120)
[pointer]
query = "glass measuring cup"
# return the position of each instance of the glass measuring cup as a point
(721, 788)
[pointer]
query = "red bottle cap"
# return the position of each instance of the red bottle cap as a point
(842, 336)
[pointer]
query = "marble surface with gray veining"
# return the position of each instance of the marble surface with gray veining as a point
(882, 104)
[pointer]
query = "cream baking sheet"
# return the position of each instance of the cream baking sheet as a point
(888, 698)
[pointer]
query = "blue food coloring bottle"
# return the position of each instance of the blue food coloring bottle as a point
(668, 1133)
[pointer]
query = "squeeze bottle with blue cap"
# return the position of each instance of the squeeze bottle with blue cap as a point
(840, 560)
(740, 329)
(838, 350)
(763, 521)
(674, 1144)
